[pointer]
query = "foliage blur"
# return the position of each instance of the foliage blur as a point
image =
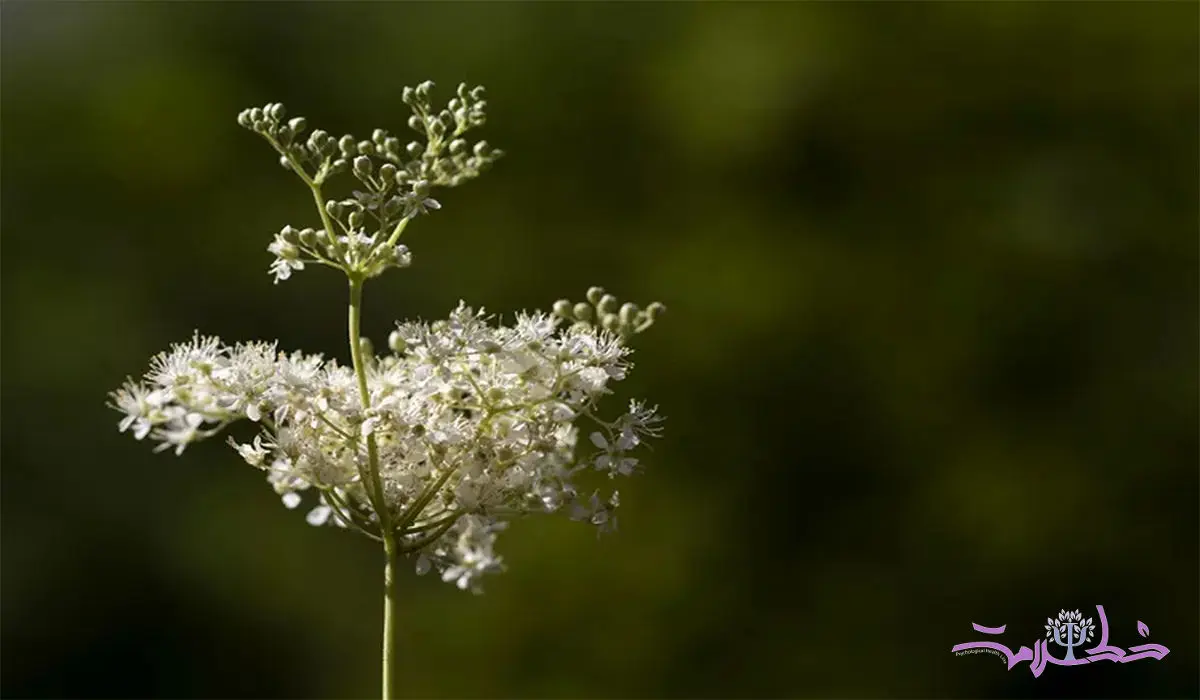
(930, 356)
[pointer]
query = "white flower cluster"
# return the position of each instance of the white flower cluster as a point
(371, 253)
(472, 423)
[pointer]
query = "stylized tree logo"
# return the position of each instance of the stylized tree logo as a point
(1069, 630)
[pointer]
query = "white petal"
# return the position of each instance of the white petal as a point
(317, 516)
(291, 499)
(599, 441)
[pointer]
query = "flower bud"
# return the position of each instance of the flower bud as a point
(594, 294)
(477, 93)
(308, 237)
(334, 209)
(395, 340)
(297, 124)
(276, 112)
(437, 128)
(289, 234)
(366, 148)
(403, 258)
(256, 115)
(628, 313)
(655, 310)
(610, 322)
(421, 188)
(424, 88)
(365, 347)
(563, 308)
(481, 149)
(378, 136)
(285, 163)
(362, 166)
(416, 123)
(583, 312)
(607, 305)
(244, 119)
(347, 146)
(391, 146)
(415, 149)
(457, 146)
(355, 219)
(407, 95)
(387, 171)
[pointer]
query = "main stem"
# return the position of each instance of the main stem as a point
(374, 487)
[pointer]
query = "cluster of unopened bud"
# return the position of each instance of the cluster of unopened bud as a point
(606, 311)
(466, 110)
(446, 159)
(269, 122)
(296, 239)
(384, 163)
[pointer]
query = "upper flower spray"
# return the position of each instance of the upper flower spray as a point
(360, 233)
(464, 424)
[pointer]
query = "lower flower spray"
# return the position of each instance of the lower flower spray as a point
(466, 423)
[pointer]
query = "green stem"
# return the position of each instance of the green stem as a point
(391, 612)
(375, 492)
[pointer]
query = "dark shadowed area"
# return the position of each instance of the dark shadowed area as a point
(930, 356)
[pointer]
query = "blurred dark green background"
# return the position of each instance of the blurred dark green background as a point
(930, 357)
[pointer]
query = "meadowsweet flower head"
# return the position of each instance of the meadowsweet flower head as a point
(463, 424)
